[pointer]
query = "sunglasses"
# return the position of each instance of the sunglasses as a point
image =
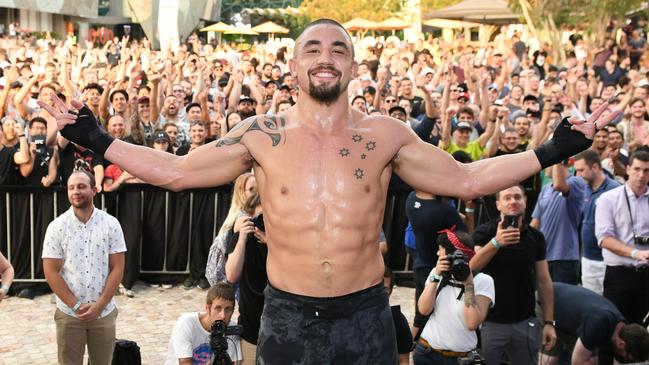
(390, 100)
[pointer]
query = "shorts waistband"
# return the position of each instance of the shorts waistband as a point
(331, 307)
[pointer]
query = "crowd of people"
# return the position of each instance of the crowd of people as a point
(582, 221)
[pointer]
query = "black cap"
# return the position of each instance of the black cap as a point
(370, 89)
(397, 108)
(244, 97)
(530, 97)
(161, 136)
(284, 86)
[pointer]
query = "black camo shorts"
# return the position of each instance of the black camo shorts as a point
(352, 329)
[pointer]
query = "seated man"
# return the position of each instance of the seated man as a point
(594, 330)
(190, 338)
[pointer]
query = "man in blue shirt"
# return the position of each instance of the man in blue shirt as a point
(556, 215)
(589, 167)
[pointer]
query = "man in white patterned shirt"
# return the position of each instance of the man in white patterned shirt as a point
(83, 260)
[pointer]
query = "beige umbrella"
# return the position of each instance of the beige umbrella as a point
(219, 27)
(361, 24)
(270, 27)
(393, 24)
(241, 30)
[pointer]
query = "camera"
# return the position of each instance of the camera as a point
(471, 358)
(219, 343)
(459, 266)
(641, 240)
(258, 222)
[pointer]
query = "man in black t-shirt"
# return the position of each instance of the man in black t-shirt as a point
(594, 330)
(74, 157)
(401, 327)
(12, 156)
(514, 256)
(41, 170)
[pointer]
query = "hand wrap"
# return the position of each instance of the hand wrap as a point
(564, 143)
(87, 133)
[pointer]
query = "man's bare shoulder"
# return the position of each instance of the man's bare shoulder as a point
(270, 125)
(387, 126)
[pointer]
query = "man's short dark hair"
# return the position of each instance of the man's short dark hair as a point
(639, 155)
(636, 339)
(590, 157)
(517, 185)
(358, 97)
(466, 110)
(327, 21)
(90, 176)
(119, 91)
(191, 105)
(37, 120)
(94, 86)
(220, 290)
(289, 102)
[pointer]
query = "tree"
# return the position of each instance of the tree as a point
(545, 18)
(345, 10)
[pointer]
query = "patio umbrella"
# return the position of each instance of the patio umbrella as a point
(219, 27)
(271, 28)
(490, 12)
(361, 24)
(393, 24)
(241, 30)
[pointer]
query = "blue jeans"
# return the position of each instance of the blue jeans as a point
(425, 356)
(564, 271)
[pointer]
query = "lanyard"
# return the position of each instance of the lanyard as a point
(628, 205)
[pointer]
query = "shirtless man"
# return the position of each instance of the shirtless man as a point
(322, 170)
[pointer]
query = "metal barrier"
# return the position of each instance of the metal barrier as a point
(165, 232)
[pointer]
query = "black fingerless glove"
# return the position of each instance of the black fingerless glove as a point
(564, 143)
(86, 132)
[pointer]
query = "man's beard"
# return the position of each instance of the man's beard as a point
(324, 93)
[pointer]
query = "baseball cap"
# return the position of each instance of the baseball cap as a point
(464, 125)
(530, 97)
(397, 108)
(284, 86)
(161, 136)
(243, 97)
(370, 89)
(463, 95)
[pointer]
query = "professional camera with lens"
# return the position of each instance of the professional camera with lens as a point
(459, 265)
(473, 358)
(219, 343)
(641, 240)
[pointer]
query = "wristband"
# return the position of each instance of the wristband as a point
(5, 288)
(76, 306)
(469, 210)
(634, 253)
(434, 278)
(496, 244)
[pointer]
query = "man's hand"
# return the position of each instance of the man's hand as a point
(507, 236)
(79, 125)
(443, 265)
(549, 337)
(88, 312)
(642, 256)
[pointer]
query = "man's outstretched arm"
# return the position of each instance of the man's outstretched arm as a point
(429, 169)
(207, 166)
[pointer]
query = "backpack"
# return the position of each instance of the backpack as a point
(126, 353)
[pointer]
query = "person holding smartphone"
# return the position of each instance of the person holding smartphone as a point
(508, 250)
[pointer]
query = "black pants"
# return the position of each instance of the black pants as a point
(628, 288)
(353, 329)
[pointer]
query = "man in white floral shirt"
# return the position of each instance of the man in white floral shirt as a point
(83, 260)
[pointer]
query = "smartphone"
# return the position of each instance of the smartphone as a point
(510, 221)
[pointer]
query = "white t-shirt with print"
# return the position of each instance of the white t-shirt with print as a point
(190, 340)
(446, 328)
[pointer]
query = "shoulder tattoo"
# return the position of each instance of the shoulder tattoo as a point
(271, 125)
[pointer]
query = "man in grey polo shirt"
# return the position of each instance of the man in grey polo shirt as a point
(622, 230)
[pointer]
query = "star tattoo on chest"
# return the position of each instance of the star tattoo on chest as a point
(357, 138)
(370, 146)
(344, 152)
(359, 174)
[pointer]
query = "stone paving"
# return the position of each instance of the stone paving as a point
(28, 336)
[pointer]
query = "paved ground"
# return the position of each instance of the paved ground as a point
(27, 333)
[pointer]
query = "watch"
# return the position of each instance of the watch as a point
(552, 323)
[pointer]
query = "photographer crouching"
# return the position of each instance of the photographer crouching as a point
(458, 301)
(199, 337)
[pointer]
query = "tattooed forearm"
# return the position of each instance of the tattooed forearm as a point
(272, 126)
(469, 296)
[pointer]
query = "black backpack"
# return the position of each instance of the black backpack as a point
(126, 353)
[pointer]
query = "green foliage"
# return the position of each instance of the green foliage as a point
(345, 10)
(427, 5)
